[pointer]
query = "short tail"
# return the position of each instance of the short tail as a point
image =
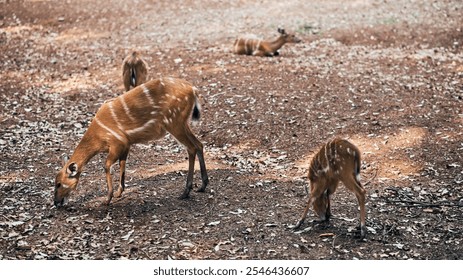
(133, 77)
(358, 164)
(196, 110)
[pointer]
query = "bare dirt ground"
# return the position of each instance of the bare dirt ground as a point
(388, 75)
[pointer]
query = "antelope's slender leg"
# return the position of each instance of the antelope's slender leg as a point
(317, 189)
(122, 161)
(184, 136)
(189, 179)
(200, 152)
(356, 187)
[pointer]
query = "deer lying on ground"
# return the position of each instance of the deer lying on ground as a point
(258, 47)
(134, 70)
(139, 115)
(338, 160)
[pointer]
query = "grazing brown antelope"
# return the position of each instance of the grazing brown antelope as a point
(134, 70)
(259, 47)
(338, 160)
(139, 115)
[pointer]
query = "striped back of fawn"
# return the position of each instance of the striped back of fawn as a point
(336, 161)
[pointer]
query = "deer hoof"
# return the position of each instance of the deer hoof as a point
(118, 193)
(202, 189)
(185, 195)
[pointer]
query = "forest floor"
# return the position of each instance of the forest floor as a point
(388, 76)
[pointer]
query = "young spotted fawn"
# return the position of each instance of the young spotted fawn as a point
(338, 160)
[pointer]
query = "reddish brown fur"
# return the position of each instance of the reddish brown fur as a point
(134, 70)
(258, 47)
(145, 113)
(338, 160)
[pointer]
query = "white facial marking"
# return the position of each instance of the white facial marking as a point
(326, 169)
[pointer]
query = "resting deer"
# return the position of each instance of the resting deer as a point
(338, 160)
(258, 47)
(134, 70)
(139, 115)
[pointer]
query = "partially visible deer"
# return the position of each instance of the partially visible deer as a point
(139, 115)
(338, 160)
(134, 70)
(259, 47)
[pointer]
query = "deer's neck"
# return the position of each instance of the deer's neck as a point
(86, 149)
(277, 43)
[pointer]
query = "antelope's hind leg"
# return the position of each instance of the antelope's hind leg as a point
(356, 187)
(185, 136)
(199, 151)
(202, 164)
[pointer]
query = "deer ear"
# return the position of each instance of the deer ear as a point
(72, 170)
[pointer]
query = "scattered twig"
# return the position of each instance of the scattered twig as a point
(334, 247)
(6, 218)
(145, 253)
(386, 232)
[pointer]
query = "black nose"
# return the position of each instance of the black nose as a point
(59, 202)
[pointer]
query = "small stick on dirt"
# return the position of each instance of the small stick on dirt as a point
(334, 247)
(387, 232)
(146, 254)
(7, 218)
